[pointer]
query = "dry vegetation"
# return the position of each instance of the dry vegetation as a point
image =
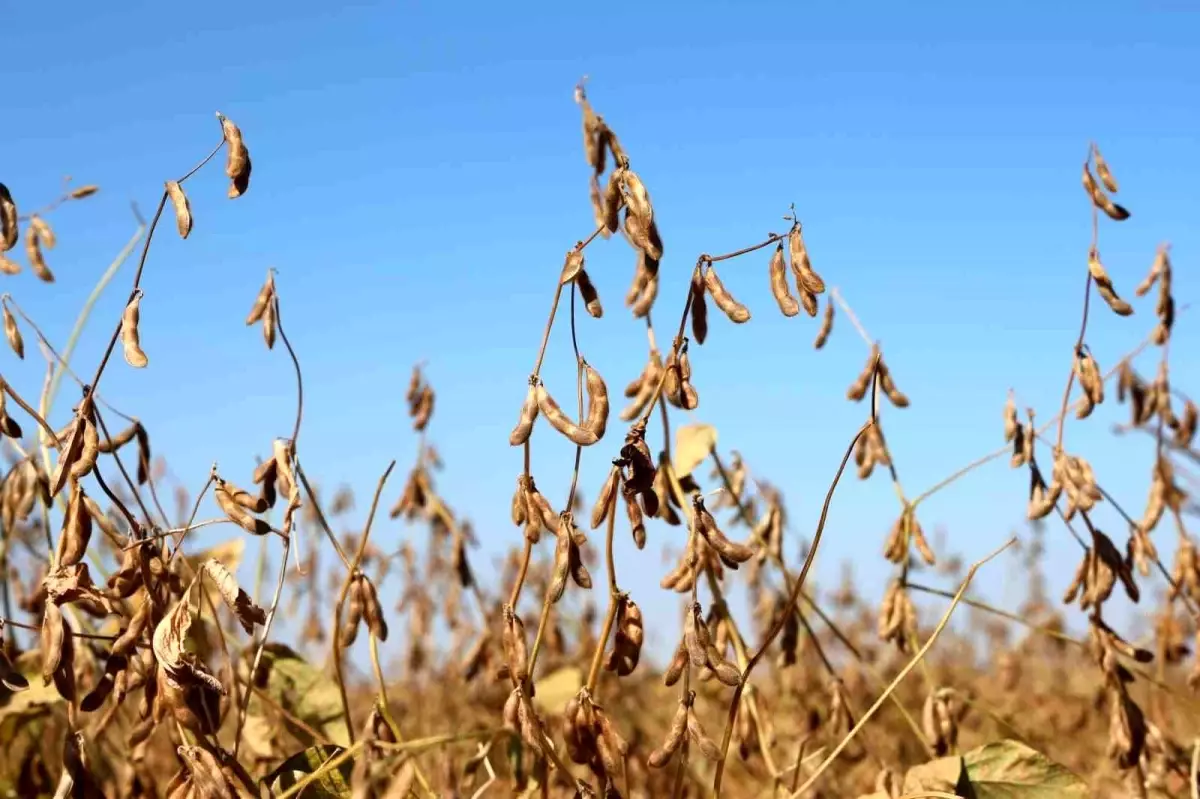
(137, 666)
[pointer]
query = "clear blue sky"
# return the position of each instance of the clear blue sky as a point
(418, 173)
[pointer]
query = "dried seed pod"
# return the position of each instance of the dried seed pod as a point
(265, 297)
(1106, 175)
(348, 633)
(696, 637)
(1157, 268)
(637, 522)
(706, 745)
(113, 666)
(733, 309)
(730, 552)
(636, 197)
(76, 532)
(183, 208)
(627, 642)
(661, 756)
(613, 200)
(53, 635)
(597, 411)
(237, 158)
(13, 334)
(9, 225)
(83, 191)
(130, 338)
(9, 266)
(143, 442)
(647, 387)
(779, 285)
(1100, 199)
(127, 640)
(808, 301)
(644, 300)
(372, 610)
(1104, 285)
(37, 261)
(515, 652)
(699, 308)
(561, 422)
(807, 280)
(587, 292)
(270, 322)
(1012, 427)
(826, 326)
(44, 232)
(237, 511)
(606, 500)
(678, 663)
(1090, 380)
(858, 389)
(529, 412)
(1186, 431)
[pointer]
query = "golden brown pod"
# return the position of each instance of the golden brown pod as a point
(733, 309)
(661, 756)
(826, 326)
(76, 533)
(237, 158)
(89, 448)
(529, 412)
(1104, 285)
(13, 334)
(644, 300)
(269, 323)
(53, 641)
(9, 266)
(265, 295)
(1100, 199)
(597, 412)
(561, 422)
(44, 232)
(806, 277)
(83, 191)
(637, 198)
(779, 285)
(613, 201)
(183, 208)
(808, 300)
(606, 499)
(238, 513)
(9, 225)
(33, 251)
(131, 341)
(587, 293)
(1103, 171)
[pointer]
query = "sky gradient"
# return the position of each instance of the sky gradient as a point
(418, 174)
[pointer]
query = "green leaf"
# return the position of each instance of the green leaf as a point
(333, 783)
(693, 443)
(556, 688)
(304, 691)
(1002, 770)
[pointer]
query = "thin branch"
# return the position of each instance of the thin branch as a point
(937, 631)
